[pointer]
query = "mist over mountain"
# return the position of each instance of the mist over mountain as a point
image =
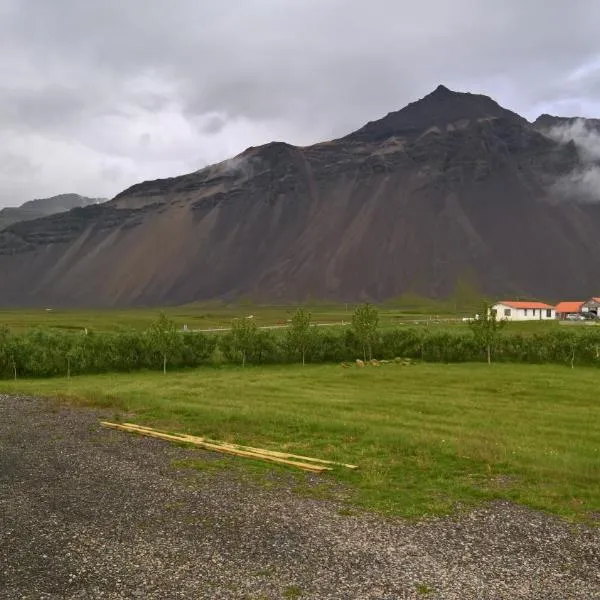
(583, 182)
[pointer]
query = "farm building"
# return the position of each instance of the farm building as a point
(591, 306)
(513, 310)
(571, 307)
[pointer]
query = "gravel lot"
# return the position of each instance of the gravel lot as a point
(92, 513)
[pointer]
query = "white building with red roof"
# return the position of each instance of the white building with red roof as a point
(569, 307)
(591, 306)
(516, 310)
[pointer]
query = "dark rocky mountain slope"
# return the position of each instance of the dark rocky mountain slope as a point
(451, 187)
(35, 209)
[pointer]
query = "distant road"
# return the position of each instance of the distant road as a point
(341, 324)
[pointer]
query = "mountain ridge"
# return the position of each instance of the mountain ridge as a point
(42, 207)
(545, 122)
(451, 184)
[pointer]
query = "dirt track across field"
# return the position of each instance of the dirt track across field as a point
(89, 513)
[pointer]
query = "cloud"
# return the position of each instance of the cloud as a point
(583, 183)
(146, 89)
(583, 135)
(17, 166)
(242, 167)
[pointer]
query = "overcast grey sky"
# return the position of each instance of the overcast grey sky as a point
(96, 95)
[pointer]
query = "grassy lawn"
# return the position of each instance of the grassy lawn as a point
(195, 316)
(428, 438)
(217, 315)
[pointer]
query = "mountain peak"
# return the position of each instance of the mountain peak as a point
(436, 109)
(442, 89)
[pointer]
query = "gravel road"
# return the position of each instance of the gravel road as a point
(92, 513)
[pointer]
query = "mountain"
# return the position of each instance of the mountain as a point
(451, 188)
(35, 209)
(435, 111)
(547, 122)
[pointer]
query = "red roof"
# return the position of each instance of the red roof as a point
(569, 307)
(524, 304)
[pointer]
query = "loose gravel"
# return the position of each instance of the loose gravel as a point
(90, 513)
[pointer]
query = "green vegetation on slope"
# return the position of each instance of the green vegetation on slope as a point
(428, 438)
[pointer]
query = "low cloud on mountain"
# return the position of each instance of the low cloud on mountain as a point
(99, 95)
(583, 183)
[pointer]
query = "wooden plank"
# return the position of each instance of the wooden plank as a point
(275, 453)
(215, 447)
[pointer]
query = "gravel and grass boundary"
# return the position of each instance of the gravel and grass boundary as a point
(93, 513)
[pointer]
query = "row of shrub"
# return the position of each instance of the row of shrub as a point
(46, 354)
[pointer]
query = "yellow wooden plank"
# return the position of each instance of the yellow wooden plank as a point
(257, 450)
(210, 446)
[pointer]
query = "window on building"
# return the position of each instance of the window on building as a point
(549, 313)
(507, 312)
(525, 311)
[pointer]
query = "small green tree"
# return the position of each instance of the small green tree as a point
(300, 334)
(244, 334)
(365, 322)
(486, 328)
(164, 337)
(7, 359)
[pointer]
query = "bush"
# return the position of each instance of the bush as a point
(444, 346)
(332, 347)
(407, 342)
(197, 348)
(261, 347)
(48, 354)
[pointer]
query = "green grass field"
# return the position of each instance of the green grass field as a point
(217, 315)
(429, 438)
(195, 316)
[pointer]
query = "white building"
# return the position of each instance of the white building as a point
(591, 306)
(524, 311)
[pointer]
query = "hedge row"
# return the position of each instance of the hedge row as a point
(46, 354)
